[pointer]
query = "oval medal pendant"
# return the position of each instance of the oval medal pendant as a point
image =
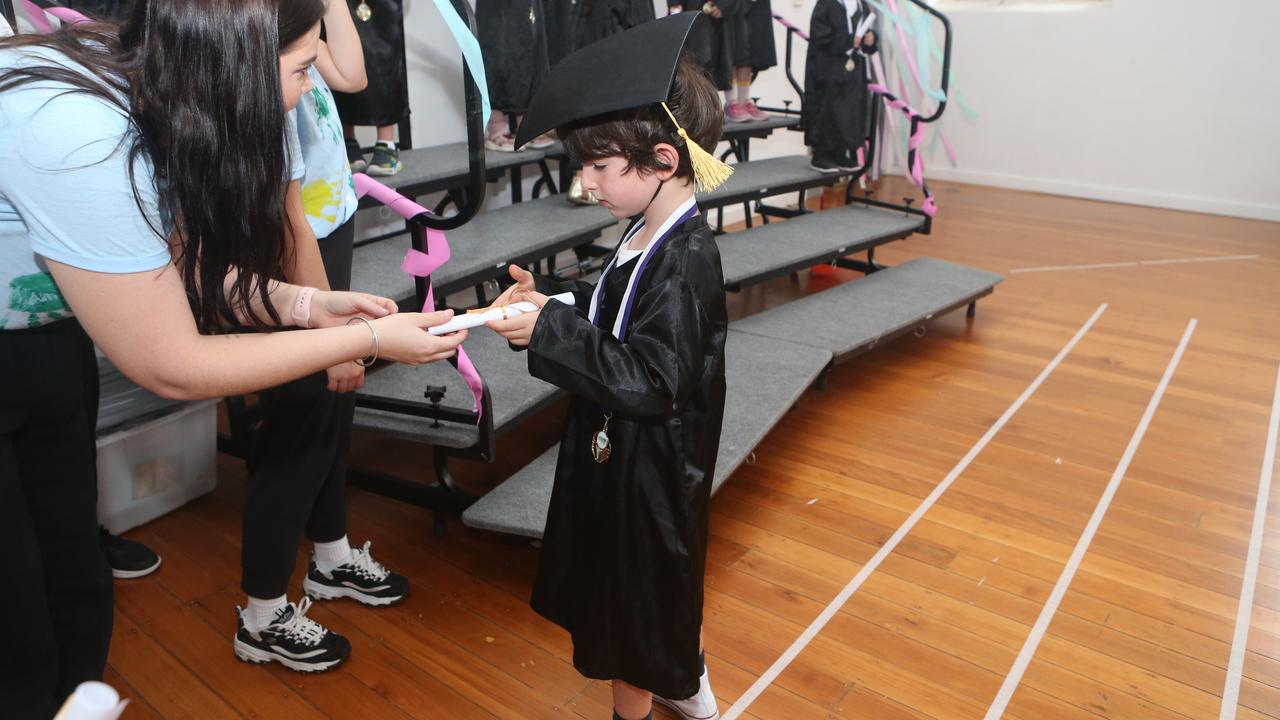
(364, 12)
(532, 18)
(600, 447)
(849, 65)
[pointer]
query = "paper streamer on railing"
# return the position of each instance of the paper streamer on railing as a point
(423, 264)
(40, 21)
(470, 48)
(915, 159)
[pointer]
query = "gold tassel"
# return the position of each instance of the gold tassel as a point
(709, 172)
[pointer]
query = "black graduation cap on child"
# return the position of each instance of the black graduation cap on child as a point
(631, 69)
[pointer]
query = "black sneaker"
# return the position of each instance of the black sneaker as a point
(847, 161)
(386, 160)
(128, 559)
(293, 640)
(823, 163)
(355, 156)
(363, 579)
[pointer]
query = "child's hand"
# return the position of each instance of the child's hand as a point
(520, 290)
(869, 38)
(518, 329)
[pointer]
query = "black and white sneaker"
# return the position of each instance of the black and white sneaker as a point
(293, 640)
(363, 579)
(127, 558)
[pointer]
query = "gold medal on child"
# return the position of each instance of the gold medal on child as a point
(532, 18)
(363, 12)
(849, 65)
(600, 447)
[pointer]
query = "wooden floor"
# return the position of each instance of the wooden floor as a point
(1143, 631)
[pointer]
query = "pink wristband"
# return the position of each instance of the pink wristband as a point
(302, 308)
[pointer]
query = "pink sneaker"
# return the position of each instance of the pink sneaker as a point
(755, 112)
(734, 112)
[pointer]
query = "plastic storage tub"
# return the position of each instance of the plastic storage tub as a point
(149, 469)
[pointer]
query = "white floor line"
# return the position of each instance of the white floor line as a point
(1135, 263)
(1235, 668)
(825, 616)
(1014, 677)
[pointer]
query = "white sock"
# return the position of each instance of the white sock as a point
(728, 97)
(388, 143)
(744, 92)
(259, 614)
(330, 555)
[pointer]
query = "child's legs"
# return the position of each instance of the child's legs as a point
(294, 455)
(328, 521)
(631, 702)
(387, 133)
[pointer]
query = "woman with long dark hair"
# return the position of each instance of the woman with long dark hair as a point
(142, 205)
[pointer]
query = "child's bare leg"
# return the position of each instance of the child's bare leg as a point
(631, 703)
(387, 133)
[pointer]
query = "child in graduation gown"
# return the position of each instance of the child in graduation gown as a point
(836, 98)
(642, 355)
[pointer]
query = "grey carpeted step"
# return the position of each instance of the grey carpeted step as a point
(857, 315)
(732, 130)
(514, 393)
(441, 167)
(762, 383)
(759, 128)
(764, 178)
(779, 248)
(482, 249)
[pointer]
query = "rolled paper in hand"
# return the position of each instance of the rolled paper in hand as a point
(92, 701)
(476, 318)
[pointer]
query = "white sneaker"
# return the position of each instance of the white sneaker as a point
(702, 706)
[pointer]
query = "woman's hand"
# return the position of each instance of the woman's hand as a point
(403, 337)
(332, 309)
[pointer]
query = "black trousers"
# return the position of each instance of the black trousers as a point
(56, 608)
(298, 462)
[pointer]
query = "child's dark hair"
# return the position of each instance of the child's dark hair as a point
(633, 133)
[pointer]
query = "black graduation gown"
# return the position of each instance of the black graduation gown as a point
(562, 29)
(625, 545)
(836, 100)
(720, 45)
(762, 51)
(514, 50)
(601, 18)
(385, 101)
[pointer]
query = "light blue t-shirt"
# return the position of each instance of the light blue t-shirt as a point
(328, 191)
(65, 193)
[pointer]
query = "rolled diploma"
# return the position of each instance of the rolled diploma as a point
(506, 312)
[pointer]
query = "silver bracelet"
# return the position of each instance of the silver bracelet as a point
(371, 359)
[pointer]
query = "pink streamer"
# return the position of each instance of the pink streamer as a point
(907, 49)
(915, 159)
(40, 20)
(36, 15)
(67, 16)
(423, 264)
(787, 24)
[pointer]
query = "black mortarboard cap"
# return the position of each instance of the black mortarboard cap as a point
(630, 69)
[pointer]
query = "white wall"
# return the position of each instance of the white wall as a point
(1171, 103)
